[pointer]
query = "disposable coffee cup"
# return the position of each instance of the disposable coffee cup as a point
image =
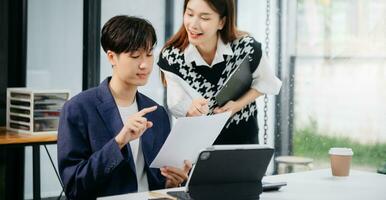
(340, 161)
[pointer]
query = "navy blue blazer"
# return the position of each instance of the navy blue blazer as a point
(90, 161)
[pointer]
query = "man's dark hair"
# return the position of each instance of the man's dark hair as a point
(124, 33)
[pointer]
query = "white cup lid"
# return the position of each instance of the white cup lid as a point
(341, 151)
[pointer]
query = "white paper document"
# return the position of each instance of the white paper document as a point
(188, 137)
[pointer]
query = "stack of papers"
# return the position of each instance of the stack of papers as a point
(188, 137)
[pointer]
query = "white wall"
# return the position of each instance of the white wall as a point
(54, 61)
(178, 14)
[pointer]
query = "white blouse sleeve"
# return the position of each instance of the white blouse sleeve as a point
(264, 78)
(179, 95)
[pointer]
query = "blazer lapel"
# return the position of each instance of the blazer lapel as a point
(109, 113)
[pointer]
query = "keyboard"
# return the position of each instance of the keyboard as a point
(272, 186)
(267, 186)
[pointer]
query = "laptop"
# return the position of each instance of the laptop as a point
(237, 84)
(227, 172)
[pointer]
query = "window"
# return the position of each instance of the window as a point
(54, 61)
(340, 68)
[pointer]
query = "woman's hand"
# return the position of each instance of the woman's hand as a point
(236, 106)
(134, 127)
(176, 176)
(232, 106)
(198, 107)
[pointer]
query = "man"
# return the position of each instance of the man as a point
(109, 135)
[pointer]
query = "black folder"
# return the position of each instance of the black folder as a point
(237, 84)
(229, 172)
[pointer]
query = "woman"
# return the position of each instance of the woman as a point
(199, 58)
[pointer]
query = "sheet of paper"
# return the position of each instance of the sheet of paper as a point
(188, 137)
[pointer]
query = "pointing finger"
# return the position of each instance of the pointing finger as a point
(147, 110)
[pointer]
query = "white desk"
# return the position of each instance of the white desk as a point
(321, 185)
(310, 185)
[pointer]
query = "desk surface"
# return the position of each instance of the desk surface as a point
(321, 185)
(14, 138)
(316, 185)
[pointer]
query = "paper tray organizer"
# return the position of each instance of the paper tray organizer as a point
(34, 111)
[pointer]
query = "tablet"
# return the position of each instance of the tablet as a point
(229, 172)
(231, 163)
(237, 84)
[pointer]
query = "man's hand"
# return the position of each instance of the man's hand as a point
(134, 127)
(198, 107)
(176, 176)
(232, 106)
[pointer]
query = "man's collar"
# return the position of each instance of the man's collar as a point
(191, 54)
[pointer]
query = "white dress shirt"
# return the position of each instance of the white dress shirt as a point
(180, 94)
(136, 149)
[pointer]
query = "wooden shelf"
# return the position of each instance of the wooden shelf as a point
(11, 137)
